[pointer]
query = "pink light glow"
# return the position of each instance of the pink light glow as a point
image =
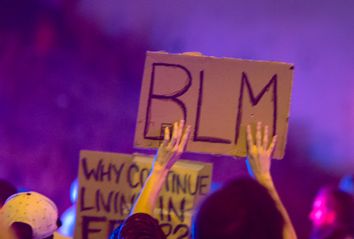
(321, 214)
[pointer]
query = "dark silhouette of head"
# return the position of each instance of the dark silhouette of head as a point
(241, 209)
(6, 190)
(139, 226)
(332, 214)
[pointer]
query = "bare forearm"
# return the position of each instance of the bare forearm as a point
(146, 201)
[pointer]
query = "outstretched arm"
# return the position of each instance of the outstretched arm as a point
(168, 153)
(258, 164)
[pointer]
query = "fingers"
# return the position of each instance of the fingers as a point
(272, 144)
(174, 136)
(260, 141)
(249, 136)
(177, 135)
(180, 131)
(258, 134)
(185, 138)
(166, 137)
(265, 137)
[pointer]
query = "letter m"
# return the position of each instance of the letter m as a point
(255, 99)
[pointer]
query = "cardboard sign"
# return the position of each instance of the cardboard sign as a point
(217, 96)
(109, 184)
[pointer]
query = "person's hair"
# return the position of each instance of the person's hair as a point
(6, 190)
(241, 209)
(139, 226)
(22, 230)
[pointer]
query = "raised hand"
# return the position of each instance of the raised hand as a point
(258, 164)
(259, 153)
(168, 153)
(171, 148)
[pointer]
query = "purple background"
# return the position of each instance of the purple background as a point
(70, 75)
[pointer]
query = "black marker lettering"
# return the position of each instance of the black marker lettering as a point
(255, 100)
(166, 228)
(88, 173)
(86, 230)
(161, 208)
(143, 175)
(171, 208)
(179, 185)
(203, 184)
(116, 202)
(105, 173)
(196, 136)
(101, 201)
(173, 97)
(118, 172)
(83, 207)
(97, 199)
(190, 190)
(180, 227)
(130, 177)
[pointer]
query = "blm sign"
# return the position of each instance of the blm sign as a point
(218, 97)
